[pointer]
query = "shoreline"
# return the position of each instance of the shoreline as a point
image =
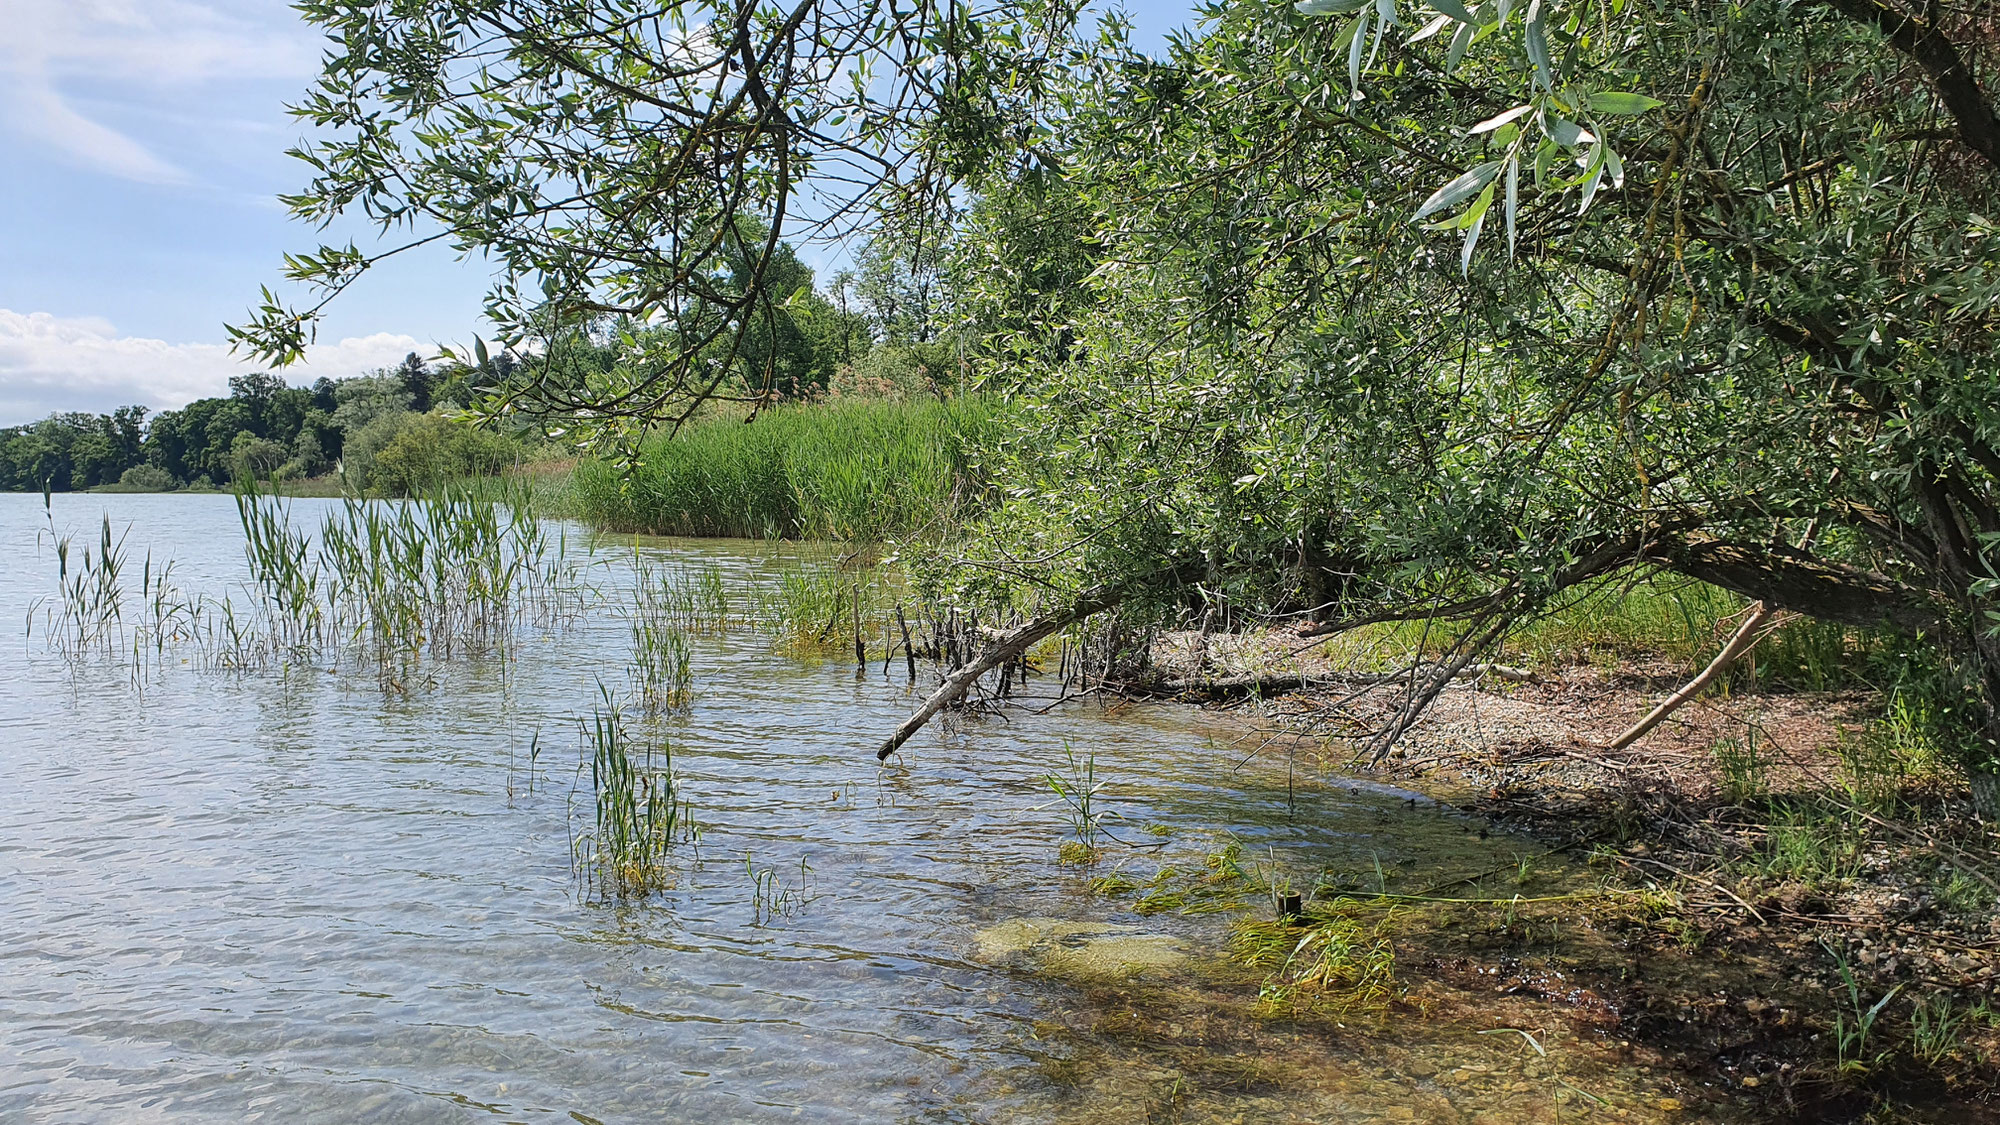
(1781, 928)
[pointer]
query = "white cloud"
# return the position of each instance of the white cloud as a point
(51, 46)
(50, 363)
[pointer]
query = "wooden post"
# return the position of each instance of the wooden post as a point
(909, 651)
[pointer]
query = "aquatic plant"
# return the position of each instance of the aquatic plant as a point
(447, 575)
(90, 599)
(638, 816)
(379, 583)
(810, 609)
(693, 599)
(772, 897)
(662, 669)
(1335, 962)
(1077, 790)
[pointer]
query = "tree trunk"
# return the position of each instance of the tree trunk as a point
(1985, 791)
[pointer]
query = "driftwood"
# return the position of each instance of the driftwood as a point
(1747, 636)
(1004, 647)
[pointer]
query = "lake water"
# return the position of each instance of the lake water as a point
(286, 895)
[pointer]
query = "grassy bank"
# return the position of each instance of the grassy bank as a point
(857, 471)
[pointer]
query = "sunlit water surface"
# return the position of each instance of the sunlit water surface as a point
(286, 896)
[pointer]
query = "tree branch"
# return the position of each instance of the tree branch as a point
(1786, 578)
(1947, 70)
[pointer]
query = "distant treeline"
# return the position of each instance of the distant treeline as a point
(382, 429)
(872, 331)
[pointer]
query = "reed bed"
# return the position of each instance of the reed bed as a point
(387, 583)
(378, 583)
(857, 471)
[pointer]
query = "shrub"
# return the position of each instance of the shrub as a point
(433, 450)
(148, 478)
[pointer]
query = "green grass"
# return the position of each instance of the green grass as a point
(857, 471)
(1675, 619)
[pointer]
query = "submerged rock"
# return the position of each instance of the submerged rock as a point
(1079, 950)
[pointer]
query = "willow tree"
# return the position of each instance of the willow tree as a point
(1386, 310)
(636, 162)
(1436, 314)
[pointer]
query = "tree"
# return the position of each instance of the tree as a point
(418, 381)
(1688, 339)
(1391, 313)
(605, 158)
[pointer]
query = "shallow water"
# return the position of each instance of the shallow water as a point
(287, 896)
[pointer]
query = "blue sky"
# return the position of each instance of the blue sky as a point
(141, 150)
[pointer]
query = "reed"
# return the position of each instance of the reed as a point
(450, 575)
(637, 817)
(821, 610)
(87, 615)
(859, 471)
(662, 671)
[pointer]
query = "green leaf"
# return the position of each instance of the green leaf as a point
(1459, 43)
(1592, 180)
(1567, 133)
(1623, 104)
(1459, 190)
(1471, 243)
(1497, 120)
(1538, 46)
(1331, 7)
(1354, 48)
(1513, 199)
(1429, 29)
(1455, 10)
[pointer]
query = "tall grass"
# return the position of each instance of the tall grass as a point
(637, 815)
(857, 471)
(377, 582)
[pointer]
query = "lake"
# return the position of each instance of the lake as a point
(284, 892)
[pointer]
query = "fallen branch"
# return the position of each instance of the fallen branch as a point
(1005, 647)
(1751, 632)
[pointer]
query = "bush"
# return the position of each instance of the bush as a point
(148, 478)
(432, 450)
(360, 447)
